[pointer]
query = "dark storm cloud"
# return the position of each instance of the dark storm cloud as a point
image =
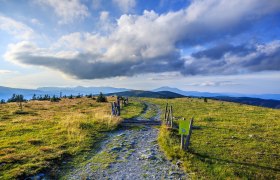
(85, 66)
(219, 51)
(229, 59)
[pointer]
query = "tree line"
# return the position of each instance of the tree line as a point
(20, 98)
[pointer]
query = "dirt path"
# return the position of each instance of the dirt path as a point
(131, 153)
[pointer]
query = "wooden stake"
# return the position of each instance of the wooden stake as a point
(189, 135)
(171, 120)
(165, 112)
(182, 142)
(167, 118)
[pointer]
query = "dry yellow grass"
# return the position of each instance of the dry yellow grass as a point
(46, 132)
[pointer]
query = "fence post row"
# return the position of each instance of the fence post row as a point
(168, 115)
(116, 109)
(116, 106)
(169, 120)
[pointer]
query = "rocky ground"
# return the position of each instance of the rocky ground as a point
(130, 153)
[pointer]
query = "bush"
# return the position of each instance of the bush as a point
(101, 98)
(2, 101)
(205, 100)
(55, 99)
(89, 95)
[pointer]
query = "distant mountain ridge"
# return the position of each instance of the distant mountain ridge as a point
(81, 90)
(149, 94)
(266, 100)
(7, 92)
(208, 94)
(252, 101)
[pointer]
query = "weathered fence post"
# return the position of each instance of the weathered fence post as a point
(119, 109)
(165, 114)
(189, 136)
(183, 139)
(113, 108)
(118, 102)
(168, 117)
(171, 113)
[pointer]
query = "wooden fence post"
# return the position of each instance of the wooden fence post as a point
(165, 114)
(169, 115)
(119, 109)
(113, 108)
(171, 120)
(189, 136)
(183, 139)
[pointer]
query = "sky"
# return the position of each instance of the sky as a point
(198, 45)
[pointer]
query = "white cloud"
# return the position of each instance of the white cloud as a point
(146, 43)
(36, 22)
(214, 83)
(4, 71)
(15, 28)
(67, 10)
(104, 15)
(125, 5)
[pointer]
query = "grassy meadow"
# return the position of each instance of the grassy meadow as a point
(230, 140)
(45, 133)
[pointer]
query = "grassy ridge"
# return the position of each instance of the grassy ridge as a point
(45, 133)
(231, 140)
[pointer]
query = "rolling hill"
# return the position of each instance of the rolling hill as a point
(150, 94)
(209, 94)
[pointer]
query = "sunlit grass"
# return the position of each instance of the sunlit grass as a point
(230, 140)
(135, 108)
(48, 132)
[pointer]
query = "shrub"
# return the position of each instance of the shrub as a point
(205, 99)
(2, 101)
(101, 98)
(55, 99)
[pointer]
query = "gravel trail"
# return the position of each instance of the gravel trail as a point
(131, 153)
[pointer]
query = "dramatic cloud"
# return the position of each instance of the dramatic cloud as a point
(229, 59)
(85, 65)
(67, 10)
(15, 28)
(151, 42)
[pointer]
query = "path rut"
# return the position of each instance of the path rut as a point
(130, 153)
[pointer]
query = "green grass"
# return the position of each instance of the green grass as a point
(134, 109)
(231, 141)
(103, 160)
(45, 134)
(151, 112)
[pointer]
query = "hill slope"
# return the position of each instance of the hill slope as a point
(252, 101)
(229, 141)
(208, 94)
(150, 94)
